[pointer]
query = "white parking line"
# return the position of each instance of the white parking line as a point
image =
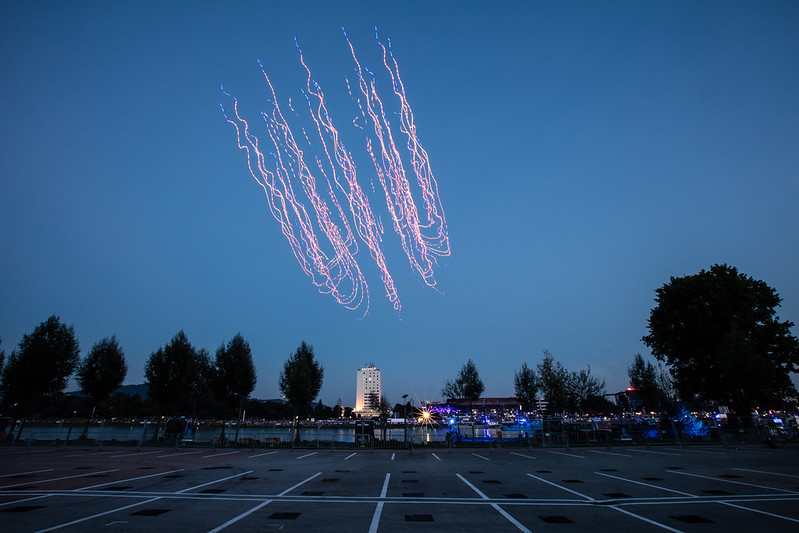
(646, 484)
(260, 454)
(499, 509)
(90, 453)
(731, 481)
(761, 512)
(213, 482)
(650, 451)
(27, 499)
(24, 473)
(307, 455)
(260, 505)
(568, 454)
(78, 521)
(242, 515)
(350, 455)
(219, 454)
(610, 453)
(481, 457)
(522, 455)
(178, 453)
(136, 453)
(764, 472)
(647, 520)
(437, 457)
(85, 474)
(303, 482)
(589, 498)
(392, 456)
(129, 479)
(379, 509)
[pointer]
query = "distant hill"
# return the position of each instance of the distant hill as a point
(142, 390)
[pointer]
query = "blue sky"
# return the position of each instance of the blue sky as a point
(584, 153)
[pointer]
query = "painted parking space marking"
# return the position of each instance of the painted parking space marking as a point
(764, 472)
(135, 453)
(646, 484)
(351, 455)
(731, 481)
(392, 456)
(91, 487)
(178, 453)
(90, 453)
(522, 455)
(610, 453)
(499, 509)
(647, 520)
(85, 474)
(437, 457)
(26, 473)
(262, 454)
(259, 506)
(213, 482)
(761, 512)
(568, 454)
(651, 451)
(481, 457)
(379, 508)
(581, 495)
(220, 454)
(79, 520)
(307, 455)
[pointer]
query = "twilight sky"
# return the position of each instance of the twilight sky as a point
(584, 153)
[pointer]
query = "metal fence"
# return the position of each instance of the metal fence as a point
(553, 433)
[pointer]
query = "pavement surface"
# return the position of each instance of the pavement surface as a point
(699, 488)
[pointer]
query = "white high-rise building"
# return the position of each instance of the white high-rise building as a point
(369, 382)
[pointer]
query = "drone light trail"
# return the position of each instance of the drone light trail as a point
(313, 188)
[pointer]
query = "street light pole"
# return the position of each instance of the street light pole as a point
(405, 419)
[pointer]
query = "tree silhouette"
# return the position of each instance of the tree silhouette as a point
(719, 333)
(42, 363)
(525, 386)
(101, 372)
(235, 375)
(553, 381)
(467, 385)
(301, 379)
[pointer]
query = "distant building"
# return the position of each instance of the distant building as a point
(369, 383)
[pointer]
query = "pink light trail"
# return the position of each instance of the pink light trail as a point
(321, 236)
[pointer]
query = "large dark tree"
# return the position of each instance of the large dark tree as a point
(301, 379)
(235, 371)
(42, 363)
(467, 385)
(525, 385)
(177, 372)
(553, 382)
(719, 333)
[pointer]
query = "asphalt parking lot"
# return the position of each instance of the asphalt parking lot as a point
(701, 488)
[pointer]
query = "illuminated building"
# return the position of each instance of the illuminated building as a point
(369, 385)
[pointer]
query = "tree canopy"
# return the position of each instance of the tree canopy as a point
(467, 385)
(234, 370)
(177, 371)
(553, 382)
(582, 388)
(42, 363)
(301, 379)
(103, 370)
(644, 378)
(525, 386)
(719, 333)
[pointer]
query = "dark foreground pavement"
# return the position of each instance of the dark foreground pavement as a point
(708, 488)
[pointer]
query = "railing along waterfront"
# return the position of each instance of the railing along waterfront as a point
(546, 433)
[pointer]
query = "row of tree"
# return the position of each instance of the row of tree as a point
(717, 332)
(575, 391)
(178, 375)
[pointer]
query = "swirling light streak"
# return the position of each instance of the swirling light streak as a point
(324, 224)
